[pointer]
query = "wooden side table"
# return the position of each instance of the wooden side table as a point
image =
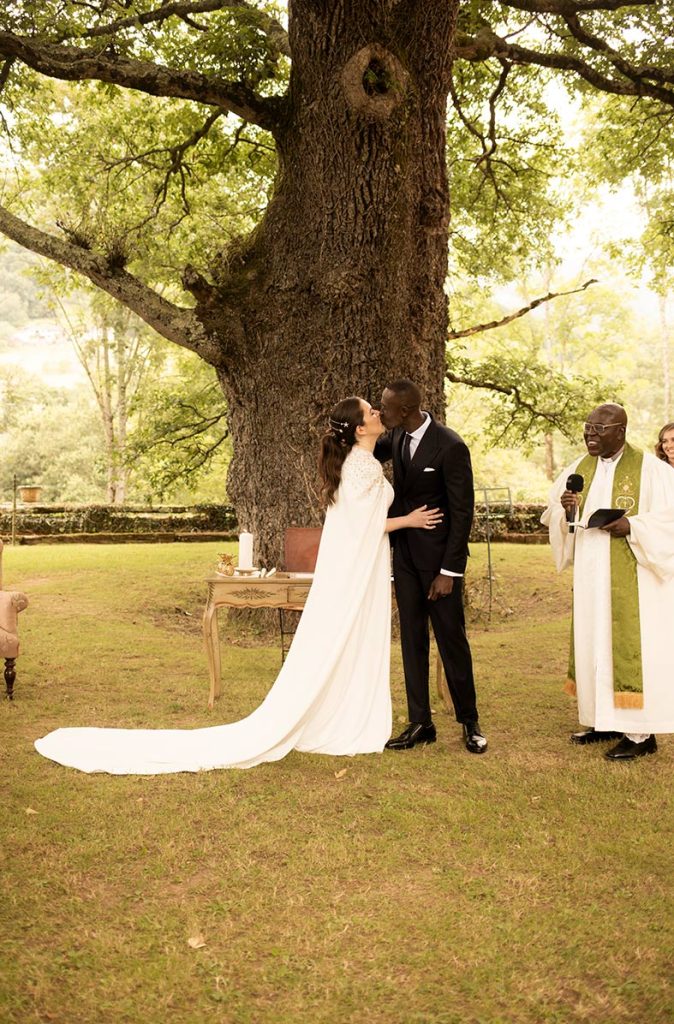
(286, 590)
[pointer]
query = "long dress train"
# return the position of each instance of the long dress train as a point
(332, 694)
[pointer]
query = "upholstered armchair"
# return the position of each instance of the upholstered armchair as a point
(11, 603)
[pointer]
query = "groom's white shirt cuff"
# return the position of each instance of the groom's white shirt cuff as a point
(446, 572)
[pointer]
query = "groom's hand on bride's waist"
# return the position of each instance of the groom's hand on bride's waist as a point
(441, 586)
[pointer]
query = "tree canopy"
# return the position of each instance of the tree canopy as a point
(271, 191)
(145, 193)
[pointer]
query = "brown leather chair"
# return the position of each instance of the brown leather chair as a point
(300, 550)
(11, 603)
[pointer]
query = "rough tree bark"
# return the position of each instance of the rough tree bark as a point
(341, 286)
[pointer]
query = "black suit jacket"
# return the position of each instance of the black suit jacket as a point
(440, 476)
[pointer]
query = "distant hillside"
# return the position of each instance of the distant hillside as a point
(20, 301)
(30, 336)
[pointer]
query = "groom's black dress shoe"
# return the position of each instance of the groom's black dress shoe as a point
(412, 736)
(473, 738)
(591, 735)
(627, 750)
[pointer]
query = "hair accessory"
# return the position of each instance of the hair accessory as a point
(338, 426)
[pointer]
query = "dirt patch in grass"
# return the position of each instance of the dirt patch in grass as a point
(178, 620)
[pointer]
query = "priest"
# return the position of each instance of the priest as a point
(621, 665)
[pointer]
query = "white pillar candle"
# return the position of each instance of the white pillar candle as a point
(245, 550)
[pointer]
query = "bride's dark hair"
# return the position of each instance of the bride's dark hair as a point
(337, 442)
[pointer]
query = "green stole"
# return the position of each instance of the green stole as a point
(628, 683)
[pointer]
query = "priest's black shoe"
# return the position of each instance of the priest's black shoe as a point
(473, 738)
(627, 750)
(591, 735)
(412, 736)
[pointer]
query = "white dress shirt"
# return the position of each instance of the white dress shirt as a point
(415, 437)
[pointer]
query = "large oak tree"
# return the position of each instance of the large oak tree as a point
(341, 283)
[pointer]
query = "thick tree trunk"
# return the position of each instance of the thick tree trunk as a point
(341, 288)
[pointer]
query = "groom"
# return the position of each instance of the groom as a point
(431, 466)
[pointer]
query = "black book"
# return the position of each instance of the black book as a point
(603, 516)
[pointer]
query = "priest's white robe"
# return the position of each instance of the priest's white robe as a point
(651, 539)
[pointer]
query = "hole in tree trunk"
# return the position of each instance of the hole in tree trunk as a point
(377, 81)
(374, 82)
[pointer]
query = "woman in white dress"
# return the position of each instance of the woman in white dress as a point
(332, 694)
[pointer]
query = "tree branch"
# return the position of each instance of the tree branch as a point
(500, 86)
(4, 72)
(486, 44)
(176, 165)
(74, 64)
(569, 7)
(601, 46)
(553, 418)
(484, 162)
(273, 29)
(175, 323)
(187, 431)
(200, 454)
(515, 316)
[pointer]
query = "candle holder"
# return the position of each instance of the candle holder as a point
(246, 572)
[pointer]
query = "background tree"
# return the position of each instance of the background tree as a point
(177, 446)
(49, 437)
(638, 147)
(117, 352)
(341, 283)
(180, 441)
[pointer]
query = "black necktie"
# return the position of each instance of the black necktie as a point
(406, 459)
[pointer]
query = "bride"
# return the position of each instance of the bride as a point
(332, 693)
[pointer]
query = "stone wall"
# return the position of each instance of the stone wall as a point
(522, 525)
(115, 524)
(118, 523)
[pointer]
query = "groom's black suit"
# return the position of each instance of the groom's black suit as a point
(439, 476)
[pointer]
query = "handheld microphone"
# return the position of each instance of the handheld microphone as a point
(575, 483)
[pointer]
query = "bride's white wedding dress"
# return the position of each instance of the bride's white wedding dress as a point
(331, 696)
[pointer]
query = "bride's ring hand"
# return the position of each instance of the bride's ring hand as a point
(433, 519)
(424, 518)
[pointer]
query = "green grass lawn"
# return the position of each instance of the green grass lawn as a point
(530, 885)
